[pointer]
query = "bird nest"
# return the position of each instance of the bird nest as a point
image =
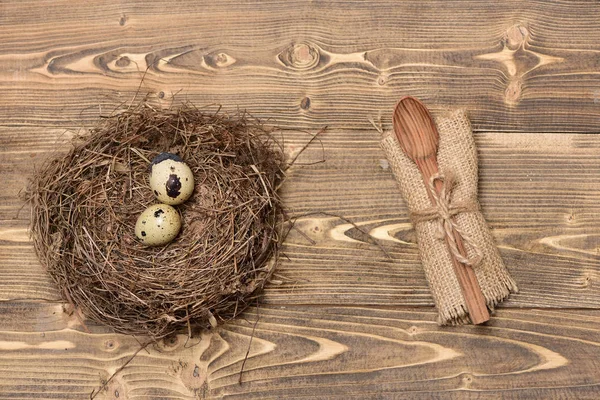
(85, 205)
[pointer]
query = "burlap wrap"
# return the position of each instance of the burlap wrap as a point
(457, 156)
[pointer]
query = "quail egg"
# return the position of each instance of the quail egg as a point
(171, 180)
(158, 225)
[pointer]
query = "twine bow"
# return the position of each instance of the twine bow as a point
(443, 211)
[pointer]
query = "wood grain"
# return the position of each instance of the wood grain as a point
(527, 72)
(539, 192)
(322, 353)
(516, 66)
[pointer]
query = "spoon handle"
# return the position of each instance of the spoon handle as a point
(471, 291)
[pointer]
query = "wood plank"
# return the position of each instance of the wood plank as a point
(516, 66)
(539, 192)
(316, 352)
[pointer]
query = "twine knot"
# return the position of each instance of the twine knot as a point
(442, 211)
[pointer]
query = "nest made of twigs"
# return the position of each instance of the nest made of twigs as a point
(85, 205)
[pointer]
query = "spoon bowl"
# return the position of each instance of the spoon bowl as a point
(415, 129)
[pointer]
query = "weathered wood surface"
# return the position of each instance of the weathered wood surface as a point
(321, 353)
(522, 66)
(343, 323)
(539, 192)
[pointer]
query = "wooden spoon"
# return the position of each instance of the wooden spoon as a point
(419, 139)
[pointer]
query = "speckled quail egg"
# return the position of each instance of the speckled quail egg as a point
(171, 180)
(158, 225)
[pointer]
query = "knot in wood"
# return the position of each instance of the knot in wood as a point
(512, 94)
(300, 56)
(123, 62)
(219, 60)
(305, 103)
(516, 36)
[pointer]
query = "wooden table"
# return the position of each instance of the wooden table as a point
(346, 321)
